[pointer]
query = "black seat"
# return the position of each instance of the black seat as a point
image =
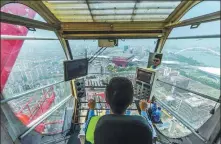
(122, 129)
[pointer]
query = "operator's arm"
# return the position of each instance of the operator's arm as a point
(144, 114)
(143, 106)
(91, 105)
(90, 114)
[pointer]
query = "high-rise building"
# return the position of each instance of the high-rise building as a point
(180, 82)
(195, 110)
(167, 71)
(126, 48)
(174, 73)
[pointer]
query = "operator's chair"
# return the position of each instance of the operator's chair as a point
(122, 129)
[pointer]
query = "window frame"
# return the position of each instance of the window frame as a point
(63, 44)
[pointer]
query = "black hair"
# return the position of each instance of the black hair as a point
(119, 94)
(159, 56)
(153, 99)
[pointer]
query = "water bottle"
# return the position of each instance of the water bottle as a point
(107, 112)
(153, 107)
(108, 109)
(157, 115)
(127, 112)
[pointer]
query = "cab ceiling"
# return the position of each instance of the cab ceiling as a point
(122, 19)
(111, 11)
(104, 19)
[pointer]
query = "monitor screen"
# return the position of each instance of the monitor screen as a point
(75, 69)
(144, 76)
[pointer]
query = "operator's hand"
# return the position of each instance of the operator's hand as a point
(143, 105)
(91, 104)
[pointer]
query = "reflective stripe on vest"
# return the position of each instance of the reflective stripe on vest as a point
(91, 128)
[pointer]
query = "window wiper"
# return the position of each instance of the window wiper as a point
(100, 51)
(95, 54)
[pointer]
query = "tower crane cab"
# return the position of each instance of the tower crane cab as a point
(56, 55)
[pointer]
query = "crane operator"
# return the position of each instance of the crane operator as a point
(119, 95)
(156, 62)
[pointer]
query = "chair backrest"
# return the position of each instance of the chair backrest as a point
(122, 129)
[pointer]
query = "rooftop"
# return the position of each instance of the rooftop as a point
(194, 101)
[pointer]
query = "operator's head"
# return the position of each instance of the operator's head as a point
(157, 60)
(119, 94)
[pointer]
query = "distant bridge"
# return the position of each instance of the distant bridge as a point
(199, 48)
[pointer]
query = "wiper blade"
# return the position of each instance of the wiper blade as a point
(95, 54)
(93, 58)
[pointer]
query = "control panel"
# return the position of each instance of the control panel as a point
(80, 88)
(145, 80)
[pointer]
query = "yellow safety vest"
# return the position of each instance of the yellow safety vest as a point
(91, 129)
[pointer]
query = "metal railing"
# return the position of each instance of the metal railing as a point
(28, 92)
(102, 109)
(11, 37)
(36, 122)
(97, 102)
(195, 37)
(194, 92)
(184, 122)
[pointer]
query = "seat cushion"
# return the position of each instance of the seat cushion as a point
(122, 129)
